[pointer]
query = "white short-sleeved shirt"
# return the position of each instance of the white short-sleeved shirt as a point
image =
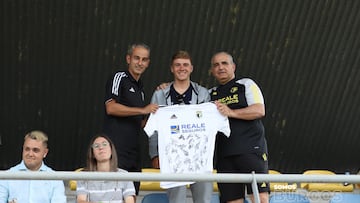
(187, 136)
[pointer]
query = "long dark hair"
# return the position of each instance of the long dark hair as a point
(91, 162)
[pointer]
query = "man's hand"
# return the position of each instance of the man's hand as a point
(162, 86)
(151, 108)
(155, 162)
(223, 109)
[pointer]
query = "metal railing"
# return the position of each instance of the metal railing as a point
(211, 177)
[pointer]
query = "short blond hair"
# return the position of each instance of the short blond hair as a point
(37, 135)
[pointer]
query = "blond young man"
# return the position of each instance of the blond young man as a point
(181, 91)
(35, 149)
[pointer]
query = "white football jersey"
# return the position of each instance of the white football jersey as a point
(186, 138)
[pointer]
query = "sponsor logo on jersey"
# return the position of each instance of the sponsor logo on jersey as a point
(232, 99)
(175, 129)
(132, 89)
(188, 128)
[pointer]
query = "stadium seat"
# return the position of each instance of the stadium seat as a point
(150, 185)
(281, 186)
(329, 187)
(72, 183)
(215, 186)
(215, 198)
(345, 198)
(288, 197)
(162, 198)
(155, 198)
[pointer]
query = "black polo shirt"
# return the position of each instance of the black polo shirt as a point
(247, 136)
(124, 131)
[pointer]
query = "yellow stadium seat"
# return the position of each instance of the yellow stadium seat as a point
(72, 183)
(331, 187)
(215, 186)
(281, 186)
(150, 185)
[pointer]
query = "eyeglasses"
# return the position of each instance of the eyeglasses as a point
(98, 145)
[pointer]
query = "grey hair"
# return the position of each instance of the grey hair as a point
(226, 53)
(133, 46)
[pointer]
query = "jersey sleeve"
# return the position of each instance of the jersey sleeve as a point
(112, 87)
(224, 126)
(151, 125)
(252, 92)
(223, 123)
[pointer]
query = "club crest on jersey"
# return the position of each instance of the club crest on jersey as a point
(234, 89)
(199, 114)
(173, 117)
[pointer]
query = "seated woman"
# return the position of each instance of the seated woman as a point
(101, 157)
